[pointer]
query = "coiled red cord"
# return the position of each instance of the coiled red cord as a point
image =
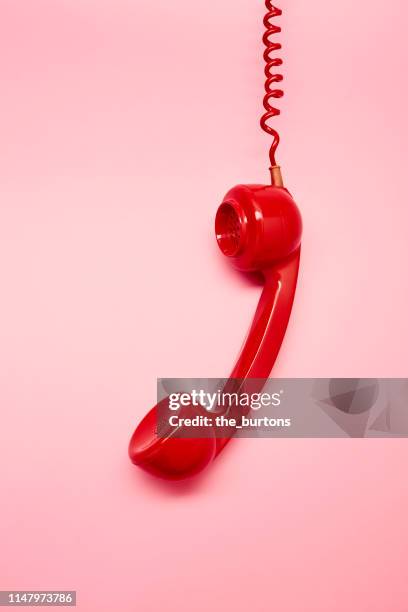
(271, 79)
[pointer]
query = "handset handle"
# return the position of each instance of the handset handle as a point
(268, 328)
(270, 321)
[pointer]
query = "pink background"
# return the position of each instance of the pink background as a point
(122, 125)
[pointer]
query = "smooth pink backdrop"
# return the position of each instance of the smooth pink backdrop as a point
(122, 124)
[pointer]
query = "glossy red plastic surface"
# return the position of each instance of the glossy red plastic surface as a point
(259, 228)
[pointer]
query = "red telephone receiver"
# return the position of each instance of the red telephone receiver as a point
(259, 228)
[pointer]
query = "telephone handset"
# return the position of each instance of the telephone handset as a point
(259, 228)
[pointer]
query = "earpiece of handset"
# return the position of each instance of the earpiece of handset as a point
(259, 228)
